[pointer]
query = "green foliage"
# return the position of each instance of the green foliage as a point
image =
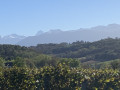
(16, 79)
(24, 57)
(19, 62)
(60, 77)
(70, 62)
(1, 62)
(103, 50)
(115, 64)
(75, 53)
(112, 64)
(32, 70)
(11, 52)
(44, 60)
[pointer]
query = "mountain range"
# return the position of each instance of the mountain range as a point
(59, 36)
(11, 39)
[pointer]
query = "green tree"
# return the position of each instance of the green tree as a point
(19, 62)
(115, 64)
(1, 62)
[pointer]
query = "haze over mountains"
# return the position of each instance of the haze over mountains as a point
(58, 36)
(11, 39)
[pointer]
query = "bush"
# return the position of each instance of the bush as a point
(60, 77)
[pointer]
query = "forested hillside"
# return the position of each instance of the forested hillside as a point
(51, 54)
(9, 52)
(14, 55)
(76, 66)
(103, 50)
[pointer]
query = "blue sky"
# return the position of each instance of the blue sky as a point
(26, 17)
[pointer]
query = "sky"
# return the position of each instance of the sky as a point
(27, 17)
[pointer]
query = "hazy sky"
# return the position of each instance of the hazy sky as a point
(26, 17)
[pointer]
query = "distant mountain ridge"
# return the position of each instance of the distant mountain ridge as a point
(11, 39)
(87, 34)
(58, 36)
